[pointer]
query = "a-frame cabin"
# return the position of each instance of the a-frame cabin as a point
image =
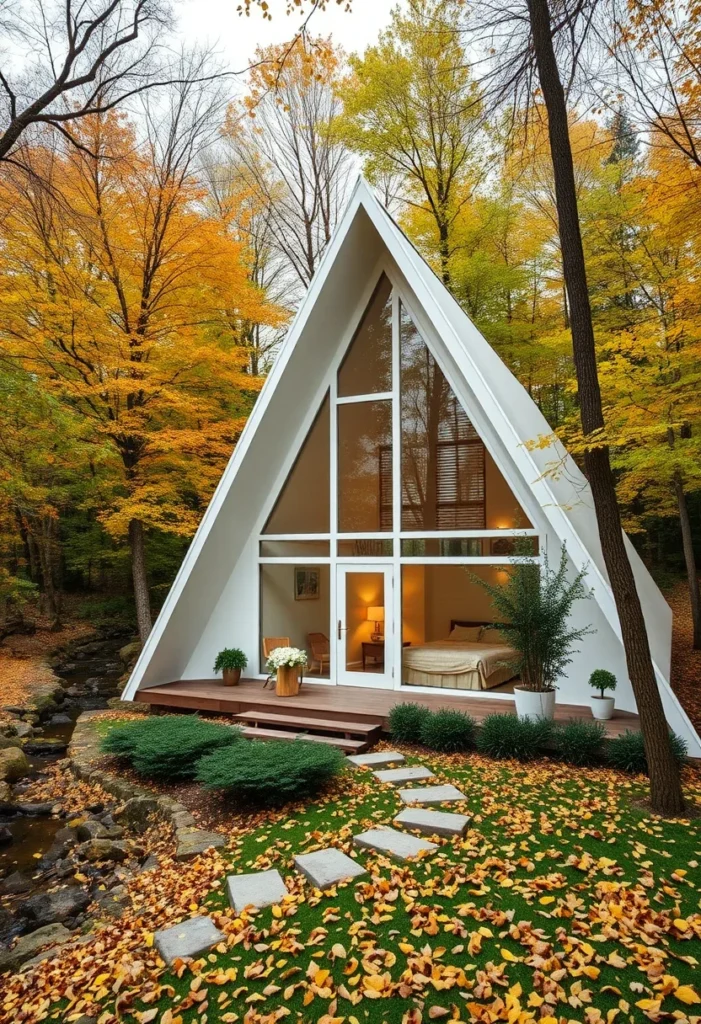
(385, 465)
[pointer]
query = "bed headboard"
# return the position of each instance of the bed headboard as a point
(468, 622)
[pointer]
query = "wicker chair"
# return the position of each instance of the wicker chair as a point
(321, 652)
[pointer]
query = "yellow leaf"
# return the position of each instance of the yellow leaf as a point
(508, 955)
(277, 912)
(687, 994)
(546, 899)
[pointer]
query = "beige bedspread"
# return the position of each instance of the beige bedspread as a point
(453, 657)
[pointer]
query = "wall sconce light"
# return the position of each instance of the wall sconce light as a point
(376, 614)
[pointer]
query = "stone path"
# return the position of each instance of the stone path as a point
(438, 823)
(187, 939)
(431, 795)
(397, 844)
(258, 889)
(324, 868)
(378, 760)
(396, 776)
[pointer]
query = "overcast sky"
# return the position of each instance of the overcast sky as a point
(215, 22)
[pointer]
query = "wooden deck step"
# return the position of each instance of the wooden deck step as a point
(348, 746)
(303, 723)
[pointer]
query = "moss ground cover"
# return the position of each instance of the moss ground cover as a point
(563, 902)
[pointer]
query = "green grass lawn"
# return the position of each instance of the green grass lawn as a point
(562, 901)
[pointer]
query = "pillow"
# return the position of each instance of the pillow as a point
(491, 636)
(468, 634)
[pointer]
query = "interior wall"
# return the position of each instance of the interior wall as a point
(281, 615)
(502, 508)
(413, 604)
(363, 589)
(450, 593)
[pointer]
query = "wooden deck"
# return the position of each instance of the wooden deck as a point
(354, 703)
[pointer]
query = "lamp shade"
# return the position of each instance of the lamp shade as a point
(376, 614)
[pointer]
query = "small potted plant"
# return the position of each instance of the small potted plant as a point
(230, 662)
(288, 663)
(601, 706)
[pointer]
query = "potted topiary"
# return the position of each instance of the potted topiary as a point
(601, 706)
(229, 662)
(534, 603)
(288, 663)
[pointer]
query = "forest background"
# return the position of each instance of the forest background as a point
(154, 249)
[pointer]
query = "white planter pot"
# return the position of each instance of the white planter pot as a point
(602, 707)
(531, 704)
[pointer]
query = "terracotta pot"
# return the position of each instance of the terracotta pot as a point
(534, 703)
(231, 676)
(287, 684)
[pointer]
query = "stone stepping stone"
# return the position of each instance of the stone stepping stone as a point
(396, 844)
(438, 823)
(324, 868)
(258, 889)
(187, 939)
(396, 776)
(431, 795)
(379, 760)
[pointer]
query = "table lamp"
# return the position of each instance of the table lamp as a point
(376, 614)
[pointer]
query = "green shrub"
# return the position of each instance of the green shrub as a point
(167, 746)
(579, 742)
(601, 679)
(406, 722)
(503, 736)
(448, 731)
(627, 752)
(230, 658)
(270, 774)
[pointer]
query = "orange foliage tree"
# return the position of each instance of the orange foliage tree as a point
(124, 296)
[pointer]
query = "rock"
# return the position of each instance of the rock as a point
(24, 729)
(6, 805)
(13, 764)
(139, 813)
(187, 939)
(114, 903)
(129, 653)
(258, 889)
(49, 907)
(47, 747)
(8, 924)
(150, 863)
(15, 884)
(36, 810)
(6, 837)
(8, 742)
(28, 945)
(195, 841)
(60, 719)
(103, 849)
(92, 829)
(325, 868)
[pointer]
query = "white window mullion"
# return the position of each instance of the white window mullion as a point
(396, 491)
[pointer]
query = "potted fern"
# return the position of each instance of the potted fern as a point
(601, 705)
(230, 662)
(534, 605)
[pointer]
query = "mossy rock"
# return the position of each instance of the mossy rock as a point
(13, 764)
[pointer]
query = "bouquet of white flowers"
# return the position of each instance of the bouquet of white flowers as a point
(284, 657)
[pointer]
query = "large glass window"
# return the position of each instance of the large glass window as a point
(295, 610)
(303, 504)
(443, 458)
(365, 467)
(367, 366)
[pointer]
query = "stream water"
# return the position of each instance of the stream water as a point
(33, 835)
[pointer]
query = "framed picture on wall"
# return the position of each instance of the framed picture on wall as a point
(502, 546)
(306, 584)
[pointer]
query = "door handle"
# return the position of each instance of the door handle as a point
(341, 627)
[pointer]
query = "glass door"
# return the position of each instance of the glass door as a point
(364, 629)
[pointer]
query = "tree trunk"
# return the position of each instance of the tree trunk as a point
(689, 558)
(665, 786)
(138, 572)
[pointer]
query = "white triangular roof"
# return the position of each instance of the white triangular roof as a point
(481, 380)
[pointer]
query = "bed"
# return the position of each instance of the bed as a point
(463, 661)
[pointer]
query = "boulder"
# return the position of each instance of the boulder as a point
(15, 884)
(13, 764)
(10, 741)
(24, 729)
(129, 653)
(48, 747)
(92, 829)
(36, 810)
(6, 805)
(49, 907)
(60, 719)
(103, 849)
(28, 945)
(6, 837)
(138, 813)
